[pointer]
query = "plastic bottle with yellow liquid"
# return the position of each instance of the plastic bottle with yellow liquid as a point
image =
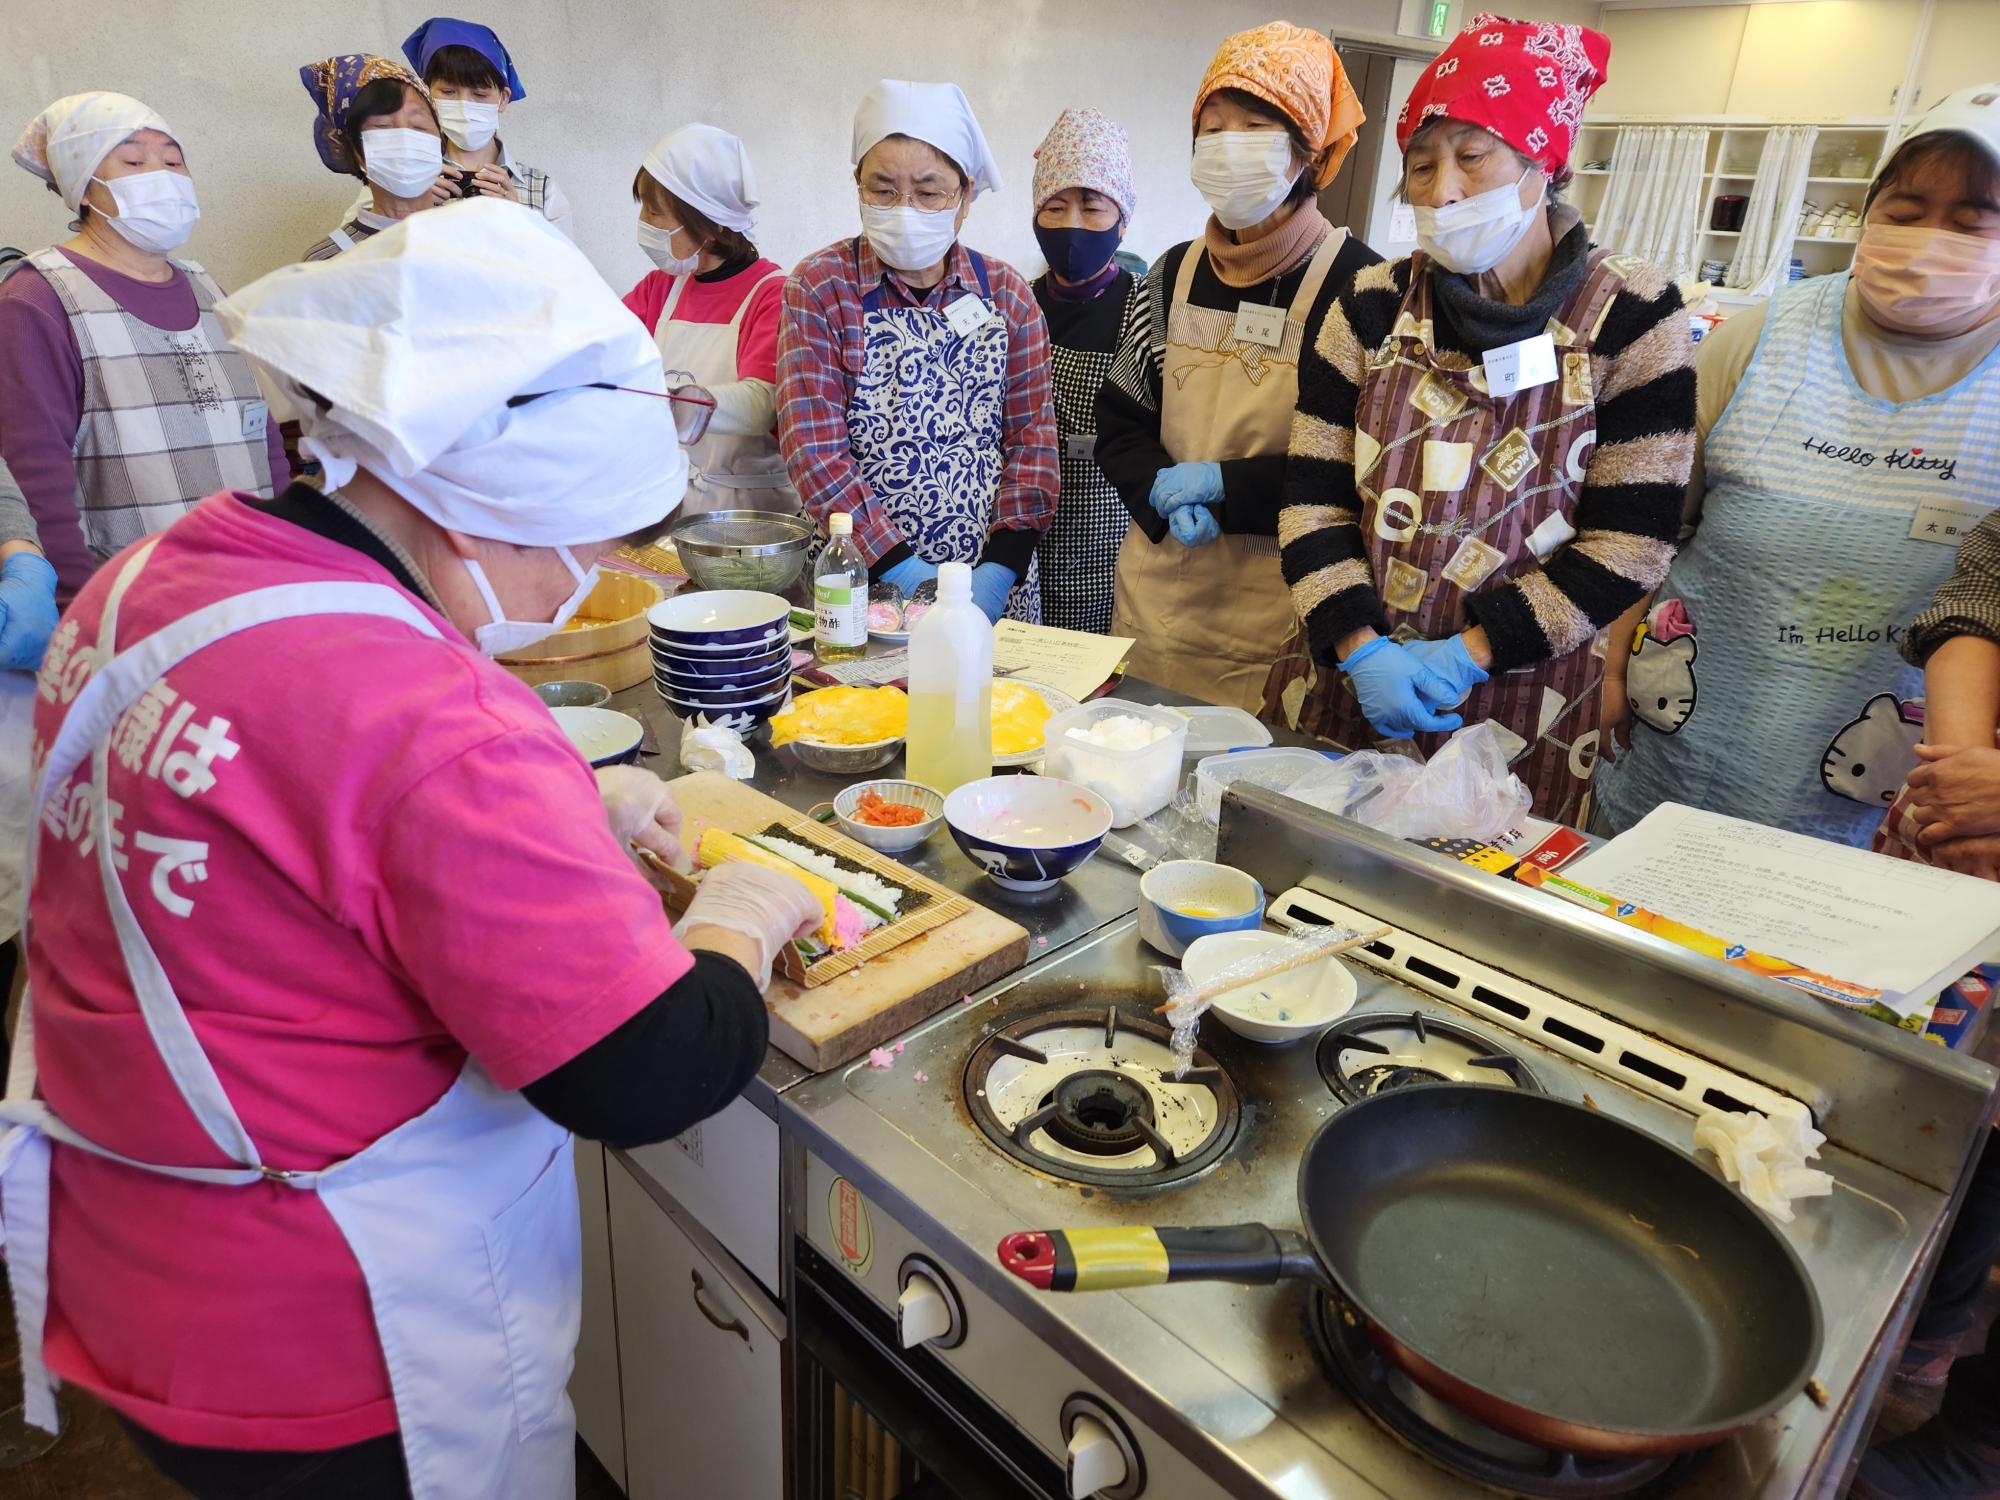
(951, 687)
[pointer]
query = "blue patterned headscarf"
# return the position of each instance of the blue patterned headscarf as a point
(442, 31)
(333, 83)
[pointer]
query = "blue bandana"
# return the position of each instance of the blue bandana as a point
(442, 31)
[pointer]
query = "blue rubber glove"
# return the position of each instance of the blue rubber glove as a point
(27, 611)
(1397, 691)
(1186, 484)
(1194, 526)
(991, 583)
(910, 572)
(1452, 662)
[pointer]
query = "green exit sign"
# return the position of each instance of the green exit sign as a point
(1440, 17)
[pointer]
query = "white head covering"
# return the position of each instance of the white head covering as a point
(1974, 110)
(938, 114)
(65, 142)
(709, 171)
(419, 336)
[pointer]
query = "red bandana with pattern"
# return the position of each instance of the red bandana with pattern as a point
(1526, 81)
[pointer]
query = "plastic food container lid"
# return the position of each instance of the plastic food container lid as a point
(1212, 730)
(1276, 769)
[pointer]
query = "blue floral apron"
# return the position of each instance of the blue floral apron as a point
(926, 426)
(1776, 692)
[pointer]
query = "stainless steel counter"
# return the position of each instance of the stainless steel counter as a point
(1103, 890)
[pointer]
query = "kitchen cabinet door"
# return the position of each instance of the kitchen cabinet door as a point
(704, 1417)
(593, 1386)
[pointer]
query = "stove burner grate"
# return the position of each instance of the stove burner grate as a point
(1415, 1049)
(1090, 1096)
(1446, 1436)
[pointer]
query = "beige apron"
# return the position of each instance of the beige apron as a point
(1208, 621)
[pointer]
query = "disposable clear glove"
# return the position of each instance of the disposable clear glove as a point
(1452, 662)
(1186, 484)
(764, 907)
(991, 583)
(27, 610)
(1398, 693)
(641, 810)
(1194, 526)
(908, 573)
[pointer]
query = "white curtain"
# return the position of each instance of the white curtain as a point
(1764, 253)
(1653, 201)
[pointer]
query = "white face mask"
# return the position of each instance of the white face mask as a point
(403, 163)
(1244, 174)
(908, 239)
(501, 635)
(658, 244)
(469, 125)
(156, 210)
(1475, 234)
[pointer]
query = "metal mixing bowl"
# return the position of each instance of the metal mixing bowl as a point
(744, 549)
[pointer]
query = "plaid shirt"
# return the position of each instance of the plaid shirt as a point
(1968, 602)
(820, 362)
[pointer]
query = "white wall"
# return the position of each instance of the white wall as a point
(605, 77)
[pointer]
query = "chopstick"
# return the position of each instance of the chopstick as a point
(1276, 967)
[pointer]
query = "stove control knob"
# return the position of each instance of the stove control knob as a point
(922, 1314)
(928, 1311)
(1096, 1462)
(1102, 1459)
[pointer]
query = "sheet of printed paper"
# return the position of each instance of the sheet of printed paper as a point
(1866, 918)
(1074, 661)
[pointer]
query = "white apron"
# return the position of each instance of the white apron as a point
(726, 471)
(463, 1219)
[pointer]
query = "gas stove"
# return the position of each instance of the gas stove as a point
(1050, 1102)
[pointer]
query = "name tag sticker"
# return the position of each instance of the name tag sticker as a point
(1260, 325)
(1946, 520)
(256, 417)
(1080, 446)
(1522, 366)
(968, 314)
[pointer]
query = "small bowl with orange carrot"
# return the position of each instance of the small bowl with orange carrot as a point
(890, 816)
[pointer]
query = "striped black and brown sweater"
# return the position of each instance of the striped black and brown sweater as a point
(1627, 514)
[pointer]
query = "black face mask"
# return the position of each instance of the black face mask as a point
(1077, 254)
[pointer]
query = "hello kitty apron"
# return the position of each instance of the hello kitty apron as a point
(1831, 516)
(1461, 490)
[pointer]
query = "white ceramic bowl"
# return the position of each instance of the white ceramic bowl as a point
(890, 840)
(1026, 832)
(605, 736)
(846, 760)
(1287, 1007)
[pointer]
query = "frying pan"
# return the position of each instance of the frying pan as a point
(1550, 1272)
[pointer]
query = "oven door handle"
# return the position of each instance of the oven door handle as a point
(706, 1308)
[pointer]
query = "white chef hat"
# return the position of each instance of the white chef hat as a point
(709, 171)
(65, 143)
(938, 114)
(403, 355)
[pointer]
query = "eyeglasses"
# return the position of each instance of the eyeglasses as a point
(693, 405)
(925, 200)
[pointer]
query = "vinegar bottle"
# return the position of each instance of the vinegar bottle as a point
(951, 687)
(840, 595)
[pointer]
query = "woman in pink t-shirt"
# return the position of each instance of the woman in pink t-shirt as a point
(334, 938)
(712, 307)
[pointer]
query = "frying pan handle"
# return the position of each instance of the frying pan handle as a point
(1094, 1260)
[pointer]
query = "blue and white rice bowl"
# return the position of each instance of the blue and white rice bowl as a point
(698, 685)
(715, 621)
(603, 735)
(725, 667)
(1026, 832)
(740, 717)
(724, 697)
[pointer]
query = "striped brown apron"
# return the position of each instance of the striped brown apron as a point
(1458, 490)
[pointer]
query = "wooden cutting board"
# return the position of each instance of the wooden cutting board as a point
(833, 1023)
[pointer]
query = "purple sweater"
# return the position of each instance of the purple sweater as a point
(41, 398)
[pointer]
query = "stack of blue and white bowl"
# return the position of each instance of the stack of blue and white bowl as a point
(723, 653)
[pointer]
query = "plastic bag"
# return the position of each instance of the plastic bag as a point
(1464, 791)
(714, 747)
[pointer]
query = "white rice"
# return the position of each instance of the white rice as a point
(862, 883)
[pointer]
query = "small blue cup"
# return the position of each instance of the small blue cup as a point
(1176, 898)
